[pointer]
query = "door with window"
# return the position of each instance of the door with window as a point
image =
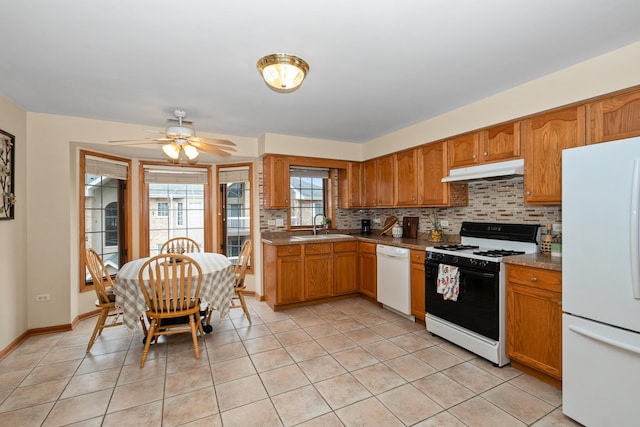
(176, 203)
(104, 213)
(234, 202)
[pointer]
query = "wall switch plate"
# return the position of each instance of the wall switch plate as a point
(271, 222)
(279, 222)
(444, 223)
(43, 297)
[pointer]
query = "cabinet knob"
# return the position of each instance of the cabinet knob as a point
(528, 193)
(534, 279)
(474, 156)
(289, 250)
(486, 154)
(414, 199)
(560, 302)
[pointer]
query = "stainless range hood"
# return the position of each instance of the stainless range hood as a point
(490, 170)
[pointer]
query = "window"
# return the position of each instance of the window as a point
(309, 189)
(180, 219)
(177, 200)
(163, 209)
(234, 201)
(104, 211)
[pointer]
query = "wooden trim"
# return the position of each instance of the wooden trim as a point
(537, 374)
(44, 331)
(84, 287)
(313, 161)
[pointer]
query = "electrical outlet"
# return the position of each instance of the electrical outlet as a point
(271, 222)
(377, 221)
(279, 222)
(43, 297)
(444, 223)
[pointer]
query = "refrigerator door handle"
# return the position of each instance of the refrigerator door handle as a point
(635, 229)
(605, 340)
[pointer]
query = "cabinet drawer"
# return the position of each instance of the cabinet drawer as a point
(367, 248)
(536, 277)
(417, 256)
(289, 250)
(317, 248)
(345, 246)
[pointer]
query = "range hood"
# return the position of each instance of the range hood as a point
(490, 170)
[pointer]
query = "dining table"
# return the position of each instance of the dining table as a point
(216, 289)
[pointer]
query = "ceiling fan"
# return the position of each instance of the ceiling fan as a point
(180, 140)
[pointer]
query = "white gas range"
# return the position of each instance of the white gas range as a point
(470, 310)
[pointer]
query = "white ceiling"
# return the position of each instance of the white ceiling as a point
(376, 66)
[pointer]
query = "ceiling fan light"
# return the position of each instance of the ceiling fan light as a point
(283, 72)
(171, 150)
(190, 151)
(180, 132)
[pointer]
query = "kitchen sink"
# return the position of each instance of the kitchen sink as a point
(321, 237)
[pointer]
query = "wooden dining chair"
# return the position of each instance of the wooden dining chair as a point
(170, 284)
(240, 271)
(110, 314)
(180, 245)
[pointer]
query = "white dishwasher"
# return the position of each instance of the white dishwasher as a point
(394, 285)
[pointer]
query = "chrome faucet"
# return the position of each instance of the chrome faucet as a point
(315, 232)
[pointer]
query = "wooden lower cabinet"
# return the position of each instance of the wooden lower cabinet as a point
(367, 267)
(296, 274)
(345, 268)
(417, 285)
(534, 322)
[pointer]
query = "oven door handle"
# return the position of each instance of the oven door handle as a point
(467, 271)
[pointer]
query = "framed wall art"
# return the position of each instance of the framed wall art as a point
(7, 175)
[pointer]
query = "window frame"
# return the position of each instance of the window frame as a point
(84, 285)
(328, 196)
(144, 205)
(220, 204)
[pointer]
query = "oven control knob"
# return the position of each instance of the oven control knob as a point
(455, 259)
(484, 263)
(473, 261)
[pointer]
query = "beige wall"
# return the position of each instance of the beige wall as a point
(13, 233)
(39, 250)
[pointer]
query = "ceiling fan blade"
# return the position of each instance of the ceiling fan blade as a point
(136, 141)
(210, 149)
(212, 141)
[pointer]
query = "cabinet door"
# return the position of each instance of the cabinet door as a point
(385, 172)
(275, 175)
(616, 117)
(405, 180)
(289, 279)
(417, 285)
(318, 271)
(370, 181)
(501, 143)
(545, 137)
(367, 264)
(432, 166)
(534, 328)
(350, 186)
(463, 150)
(345, 272)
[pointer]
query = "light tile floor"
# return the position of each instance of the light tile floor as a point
(345, 363)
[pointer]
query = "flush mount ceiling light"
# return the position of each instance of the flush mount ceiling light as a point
(283, 72)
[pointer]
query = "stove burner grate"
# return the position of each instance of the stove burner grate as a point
(458, 247)
(496, 253)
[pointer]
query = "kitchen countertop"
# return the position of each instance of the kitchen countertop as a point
(538, 260)
(421, 243)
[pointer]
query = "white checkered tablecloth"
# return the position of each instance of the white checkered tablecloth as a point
(218, 281)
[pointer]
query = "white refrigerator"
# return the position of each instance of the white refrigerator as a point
(601, 283)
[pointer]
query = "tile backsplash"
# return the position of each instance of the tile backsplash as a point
(489, 201)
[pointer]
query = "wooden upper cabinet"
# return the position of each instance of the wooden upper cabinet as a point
(405, 178)
(501, 143)
(616, 117)
(275, 178)
(463, 150)
(377, 177)
(350, 186)
(545, 136)
(385, 173)
(432, 167)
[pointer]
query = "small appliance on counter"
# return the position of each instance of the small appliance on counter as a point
(365, 228)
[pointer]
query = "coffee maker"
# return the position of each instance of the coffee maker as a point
(365, 228)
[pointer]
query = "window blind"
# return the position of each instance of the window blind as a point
(307, 172)
(104, 167)
(175, 176)
(230, 175)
